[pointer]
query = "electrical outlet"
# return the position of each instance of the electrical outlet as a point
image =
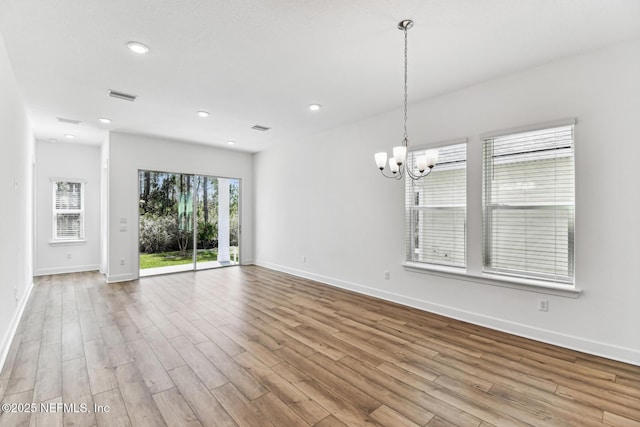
(68, 256)
(386, 275)
(304, 259)
(543, 305)
(121, 261)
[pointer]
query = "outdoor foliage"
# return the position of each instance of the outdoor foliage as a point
(157, 233)
(166, 259)
(234, 213)
(207, 233)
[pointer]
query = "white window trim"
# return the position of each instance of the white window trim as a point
(536, 286)
(434, 266)
(495, 276)
(61, 242)
(504, 281)
(439, 144)
(66, 242)
(529, 128)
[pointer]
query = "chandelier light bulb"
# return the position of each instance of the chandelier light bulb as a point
(400, 154)
(421, 163)
(393, 166)
(431, 157)
(381, 160)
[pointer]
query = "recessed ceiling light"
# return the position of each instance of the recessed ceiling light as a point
(104, 120)
(203, 113)
(69, 136)
(53, 140)
(138, 47)
(231, 142)
(314, 107)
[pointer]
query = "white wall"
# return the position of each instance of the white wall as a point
(324, 199)
(104, 202)
(55, 160)
(16, 182)
(130, 153)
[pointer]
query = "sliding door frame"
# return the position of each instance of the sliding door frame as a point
(195, 221)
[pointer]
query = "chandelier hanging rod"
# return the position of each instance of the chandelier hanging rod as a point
(398, 163)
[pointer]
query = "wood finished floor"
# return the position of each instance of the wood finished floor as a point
(249, 346)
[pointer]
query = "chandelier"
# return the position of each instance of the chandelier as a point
(415, 166)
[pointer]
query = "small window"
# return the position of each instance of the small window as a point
(436, 208)
(528, 204)
(68, 210)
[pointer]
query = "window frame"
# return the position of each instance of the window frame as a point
(516, 275)
(56, 239)
(474, 230)
(411, 209)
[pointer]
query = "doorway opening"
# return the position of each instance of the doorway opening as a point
(187, 222)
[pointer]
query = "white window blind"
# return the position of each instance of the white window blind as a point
(436, 210)
(528, 204)
(68, 210)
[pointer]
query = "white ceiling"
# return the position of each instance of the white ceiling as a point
(264, 61)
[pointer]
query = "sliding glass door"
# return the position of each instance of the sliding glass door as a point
(187, 222)
(217, 213)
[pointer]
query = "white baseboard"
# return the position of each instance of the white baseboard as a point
(63, 270)
(13, 325)
(609, 351)
(121, 277)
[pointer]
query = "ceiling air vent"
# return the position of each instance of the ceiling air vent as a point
(260, 128)
(69, 121)
(122, 95)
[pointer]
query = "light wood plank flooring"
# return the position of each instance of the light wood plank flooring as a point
(249, 346)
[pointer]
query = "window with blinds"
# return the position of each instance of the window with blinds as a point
(436, 209)
(528, 204)
(68, 210)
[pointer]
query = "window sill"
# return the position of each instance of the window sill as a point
(67, 242)
(528, 285)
